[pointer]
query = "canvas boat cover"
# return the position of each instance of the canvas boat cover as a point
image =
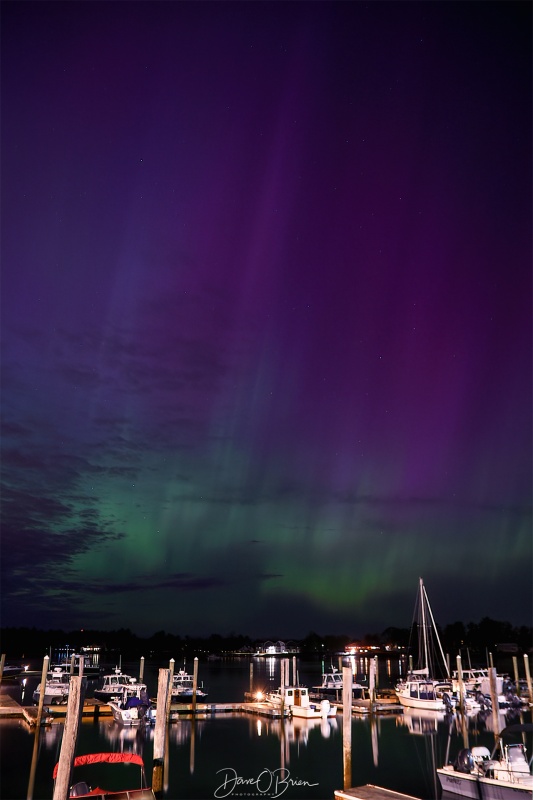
(99, 758)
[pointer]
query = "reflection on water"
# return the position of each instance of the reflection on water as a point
(399, 751)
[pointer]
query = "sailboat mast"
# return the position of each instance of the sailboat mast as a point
(437, 637)
(424, 631)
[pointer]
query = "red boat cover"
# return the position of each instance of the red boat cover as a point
(110, 758)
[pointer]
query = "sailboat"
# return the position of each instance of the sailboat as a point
(421, 687)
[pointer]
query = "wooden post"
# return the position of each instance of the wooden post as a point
(193, 742)
(464, 723)
(171, 664)
(163, 690)
(371, 683)
(294, 676)
(2, 662)
(194, 684)
(42, 691)
(516, 677)
(72, 663)
(141, 670)
(491, 661)
(70, 737)
(347, 725)
(494, 701)
(528, 678)
(33, 768)
(461, 684)
(282, 687)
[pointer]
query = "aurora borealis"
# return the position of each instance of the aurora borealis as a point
(266, 315)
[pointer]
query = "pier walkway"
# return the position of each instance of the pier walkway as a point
(10, 708)
(370, 792)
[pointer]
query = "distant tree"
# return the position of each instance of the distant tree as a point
(454, 637)
(395, 636)
(312, 643)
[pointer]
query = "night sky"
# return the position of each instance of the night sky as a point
(266, 315)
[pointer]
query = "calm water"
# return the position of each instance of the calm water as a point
(398, 751)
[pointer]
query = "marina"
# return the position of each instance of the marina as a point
(237, 735)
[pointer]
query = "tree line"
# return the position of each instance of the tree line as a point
(457, 636)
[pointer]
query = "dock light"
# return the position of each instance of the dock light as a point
(259, 696)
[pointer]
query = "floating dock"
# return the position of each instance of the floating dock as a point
(371, 792)
(9, 708)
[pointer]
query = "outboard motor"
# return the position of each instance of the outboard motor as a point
(447, 702)
(464, 761)
(324, 708)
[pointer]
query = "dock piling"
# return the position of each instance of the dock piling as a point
(194, 684)
(141, 670)
(516, 676)
(528, 678)
(2, 662)
(347, 693)
(461, 684)
(161, 719)
(494, 701)
(70, 737)
(42, 691)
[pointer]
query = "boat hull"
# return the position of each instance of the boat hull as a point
(132, 716)
(315, 712)
(427, 705)
(50, 698)
(465, 785)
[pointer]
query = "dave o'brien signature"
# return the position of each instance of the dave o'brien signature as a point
(275, 782)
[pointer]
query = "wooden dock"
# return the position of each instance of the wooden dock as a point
(371, 792)
(9, 708)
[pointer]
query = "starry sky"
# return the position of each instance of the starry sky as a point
(266, 315)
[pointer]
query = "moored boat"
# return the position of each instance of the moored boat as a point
(133, 708)
(331, 681)
(56, 687)
(183, 685)
(296, 700)
(503, 775)
(476, 684)
(114, 685)
(423, 688)
(83, 789)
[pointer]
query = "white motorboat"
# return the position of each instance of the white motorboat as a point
(183, 685)
(114, 684)
(331, 681)
(421, 687)
(503, 775)
(476, 684)
(332, 685)
(296, 700)
(56, 687)
(134, 707)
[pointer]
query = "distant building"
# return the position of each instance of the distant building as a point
(278, 648)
